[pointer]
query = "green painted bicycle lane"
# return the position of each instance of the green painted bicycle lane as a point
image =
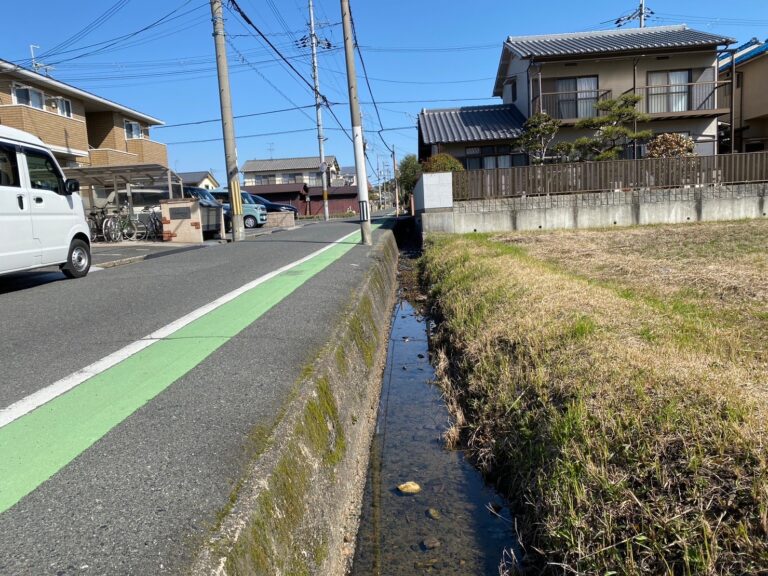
(39, 444)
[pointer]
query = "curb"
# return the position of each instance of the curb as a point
(296, 509)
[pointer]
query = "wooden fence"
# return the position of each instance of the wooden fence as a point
(578, 177)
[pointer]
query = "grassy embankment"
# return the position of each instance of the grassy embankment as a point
(615, 384)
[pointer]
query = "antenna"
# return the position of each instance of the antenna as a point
(271, 148)
(37, 66)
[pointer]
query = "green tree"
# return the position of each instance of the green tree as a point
(613, 128)
(671, 146)
(538, 132)
(409, 172)
(441, 163)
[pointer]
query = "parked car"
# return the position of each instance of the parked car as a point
(274, 206)
(43, 221)
(254, 214)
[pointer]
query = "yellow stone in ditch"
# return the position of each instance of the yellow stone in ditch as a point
(409, 488)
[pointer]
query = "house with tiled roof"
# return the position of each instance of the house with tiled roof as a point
(301, 170)
(672, 68)
(203, 179)
(750, 110)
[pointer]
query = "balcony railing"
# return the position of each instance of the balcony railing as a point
(684, 99)
(570, 105)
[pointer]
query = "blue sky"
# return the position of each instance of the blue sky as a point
(416, 52)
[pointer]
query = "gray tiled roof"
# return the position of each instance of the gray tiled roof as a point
(470, 124)
(280, 164)
(193, 177)
(578, 43)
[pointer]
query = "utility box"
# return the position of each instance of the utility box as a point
(181, 220)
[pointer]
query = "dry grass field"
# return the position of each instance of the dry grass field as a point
(615, 383)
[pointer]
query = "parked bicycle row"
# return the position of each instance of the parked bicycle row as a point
(120, 225)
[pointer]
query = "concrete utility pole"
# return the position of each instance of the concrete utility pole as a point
(227, 123)
(357, 128)
(642, 13)
(318, 110)
(397, 183)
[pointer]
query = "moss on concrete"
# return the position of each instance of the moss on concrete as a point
(268, 545)
(362, 328)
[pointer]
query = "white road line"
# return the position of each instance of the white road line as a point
(44, 395)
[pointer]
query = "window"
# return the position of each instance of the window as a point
(491, 157)
(64, 107)
(132, 130)
(668, 91)
(576, 97)
(293, 178)
(28, 97)
(43, 172)
(9, 169)
(512, 88)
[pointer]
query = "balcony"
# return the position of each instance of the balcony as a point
(696, 99)
(53, 129)
(109, 157)
(148, 151)
(570, 107)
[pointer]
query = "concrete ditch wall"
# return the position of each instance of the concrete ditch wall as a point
(439, 213)
(297, 511)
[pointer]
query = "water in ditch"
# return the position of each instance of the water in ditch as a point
(456, 524)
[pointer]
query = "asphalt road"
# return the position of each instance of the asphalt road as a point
(142, 498)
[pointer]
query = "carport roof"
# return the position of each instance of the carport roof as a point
(133, 174)
(470, 124)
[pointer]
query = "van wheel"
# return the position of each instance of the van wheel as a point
(249, 222)
(78, 261)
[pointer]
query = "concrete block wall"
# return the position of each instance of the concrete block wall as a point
(592, 210)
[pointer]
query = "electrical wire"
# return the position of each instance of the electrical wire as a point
(237, 117)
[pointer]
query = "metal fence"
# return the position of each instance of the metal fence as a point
(607, 176)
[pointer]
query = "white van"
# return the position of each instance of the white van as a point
(42, 222)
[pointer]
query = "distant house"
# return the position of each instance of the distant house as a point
(750, 96)
(81, 129)
(347, 176)
(308, 200)
(199, 179)
(304, 170)
(672, 68)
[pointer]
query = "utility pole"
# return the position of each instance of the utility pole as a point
(642, 13)
(227, 123)
(357, 128)
(397, 182)
(318, 110)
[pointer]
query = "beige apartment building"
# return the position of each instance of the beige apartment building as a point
(672, 68)
(750, 103)
(81, 129)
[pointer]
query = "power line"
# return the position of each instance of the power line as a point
(119, 39)
(248, 21)
(238, 117)
(219, 139)
(111, 11)
(267, 80)
(367, 80)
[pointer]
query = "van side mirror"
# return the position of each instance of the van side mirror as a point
(71, 186)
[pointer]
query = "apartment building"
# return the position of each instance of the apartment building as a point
(304, 170)
(672, 68)
(81, 129)
(750, 103)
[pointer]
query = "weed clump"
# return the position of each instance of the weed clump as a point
(619, 425)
